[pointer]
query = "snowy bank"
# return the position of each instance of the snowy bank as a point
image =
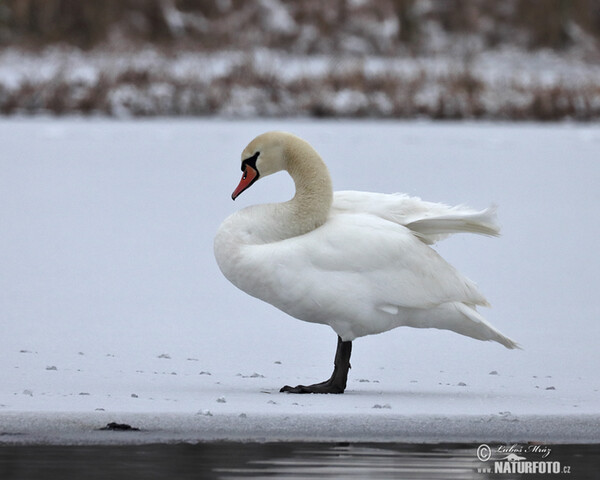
(495, 84)
(85, 429)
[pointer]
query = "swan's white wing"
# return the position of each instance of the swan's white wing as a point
(354, 265)
(361, 275)
(431, 222)
(402, 270)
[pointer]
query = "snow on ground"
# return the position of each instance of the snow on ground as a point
(113, 309)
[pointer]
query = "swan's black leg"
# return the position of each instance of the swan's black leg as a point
(337, 382)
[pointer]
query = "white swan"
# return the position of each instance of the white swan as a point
(357, 261)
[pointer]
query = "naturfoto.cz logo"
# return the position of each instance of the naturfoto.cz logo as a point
(521, 459)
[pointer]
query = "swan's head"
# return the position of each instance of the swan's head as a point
(264, 155)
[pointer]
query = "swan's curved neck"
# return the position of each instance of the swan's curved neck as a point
(272, 222)
(310, 206)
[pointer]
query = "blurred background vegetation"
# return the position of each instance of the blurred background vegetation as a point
(306, 26)
(508, 59)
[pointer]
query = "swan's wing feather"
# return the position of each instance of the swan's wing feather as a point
(371, 258)
(470, 221)
(430, 221)
(361, 275)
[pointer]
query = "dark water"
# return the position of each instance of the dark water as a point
(230, 460)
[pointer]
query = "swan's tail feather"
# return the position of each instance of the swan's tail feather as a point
(474, 325)
(433, 228)
(460, 318)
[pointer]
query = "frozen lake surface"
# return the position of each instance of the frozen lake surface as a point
(113, 309)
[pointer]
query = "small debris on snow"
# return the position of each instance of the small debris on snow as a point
(277, 362)
(414, 381)
(119, 427)
(461, 384)
(28, 392)
(243, 415)
(80, 353)
(84, 393)
(550, 388)
(493, 372)
(192, 360)
(364, 380)
(206, 413)
(25, 351)
(100, 410)
(204, 373)
(165, 355)
(254, 375)
(508, 416)
(133, 395)
(385, 405)
(52, 367)
(221, 400)
(272, 402)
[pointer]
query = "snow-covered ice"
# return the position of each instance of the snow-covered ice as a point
(112, 307)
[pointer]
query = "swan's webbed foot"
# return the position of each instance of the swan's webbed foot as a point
(337, 382)
(323, 387)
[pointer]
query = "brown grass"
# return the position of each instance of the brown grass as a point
(217, 24)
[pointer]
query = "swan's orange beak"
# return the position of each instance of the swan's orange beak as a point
(248, 178)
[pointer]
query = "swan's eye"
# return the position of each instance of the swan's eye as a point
(250, 162)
